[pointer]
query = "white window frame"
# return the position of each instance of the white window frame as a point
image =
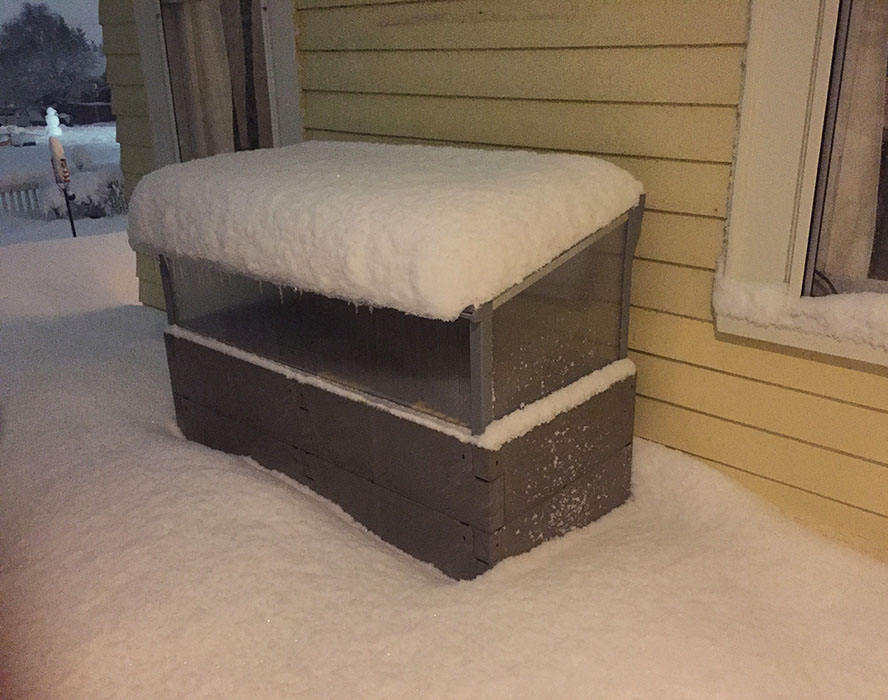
(279, 30)
(788, 61)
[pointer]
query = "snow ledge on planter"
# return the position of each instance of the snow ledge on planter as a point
(853, 326)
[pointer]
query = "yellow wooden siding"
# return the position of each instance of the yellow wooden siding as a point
(679, 75)
(818, 420)
(671, 186)
(120, 44)
(129, 101)
(522, 24)
(673, 288)
(865, 530)
(651, 86)
(685, 132)
(678, 238)
(695, 341)
(134, 131)
(864, 484)
(120, 38)
(115, 12)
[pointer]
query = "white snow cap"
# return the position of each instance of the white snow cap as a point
(427, 230)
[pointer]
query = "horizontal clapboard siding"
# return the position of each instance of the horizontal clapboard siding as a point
(503, 24)
(120, 44)
(683, 132)
(671, 186)
(679, 75)
(651, 86)
(863, 483)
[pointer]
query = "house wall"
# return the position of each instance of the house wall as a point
(652, 85)
(130, 104)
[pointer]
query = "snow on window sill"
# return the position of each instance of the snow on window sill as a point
(846, 325)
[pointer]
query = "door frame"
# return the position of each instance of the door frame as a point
(279, 32)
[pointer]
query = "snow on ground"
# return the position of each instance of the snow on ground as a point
(19, 230)
(31, 163)
(99, 140)
(138, 565)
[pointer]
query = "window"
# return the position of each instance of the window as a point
(759, 287)
(849, 231)
(218, 70)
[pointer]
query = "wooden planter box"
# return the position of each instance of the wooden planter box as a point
(242, 355)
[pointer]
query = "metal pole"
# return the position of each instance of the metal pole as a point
(68, 199)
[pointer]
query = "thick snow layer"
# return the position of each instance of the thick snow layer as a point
(427, 230)
(137, 565)
(861, 318)
(497, 433)
(15, 229)
(35, 280)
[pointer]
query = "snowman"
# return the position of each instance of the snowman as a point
(52, 122)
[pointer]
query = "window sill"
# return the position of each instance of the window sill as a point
(853, 326)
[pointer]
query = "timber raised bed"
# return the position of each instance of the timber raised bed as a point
(461, 440)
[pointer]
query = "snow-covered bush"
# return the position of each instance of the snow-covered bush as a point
(98, 192)
(80, 158)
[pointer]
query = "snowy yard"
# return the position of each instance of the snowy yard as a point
(28, 163)
(138, 565)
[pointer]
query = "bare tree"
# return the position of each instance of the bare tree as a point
(44, 61)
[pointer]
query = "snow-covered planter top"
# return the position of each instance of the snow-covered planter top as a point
(423, 229)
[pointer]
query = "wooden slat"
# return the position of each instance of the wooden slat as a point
(120, 39)
(147, 267)
(124, 70)
(678, 290)
(676, 186)
(134, 131)
(686, 240)
(151, 294)
(129, 182)
(137, 159)
(864, 531)
(681, 187)
(838, 426)
(664, 131)
(129, 100)
(695, 342)
(709, 75)
(523, 23)
(847, 479)
(115, 11)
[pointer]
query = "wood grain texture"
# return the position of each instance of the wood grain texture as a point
(521, 24)
(684, 75)
(663, 131)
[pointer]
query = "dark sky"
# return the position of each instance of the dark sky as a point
(77, 13)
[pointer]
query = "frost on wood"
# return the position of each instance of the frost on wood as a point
(425, 230)
(497, 433)
(861, 318)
